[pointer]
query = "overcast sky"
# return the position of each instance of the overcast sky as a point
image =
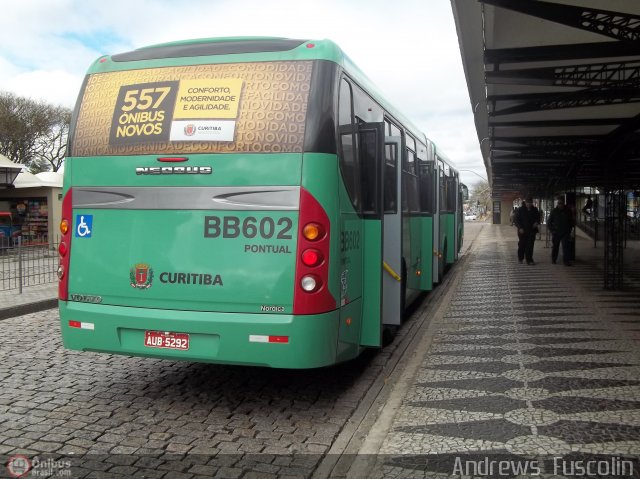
(409, 48)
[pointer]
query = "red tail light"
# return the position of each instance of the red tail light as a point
(311, 257)
(65, 246)
(311, 292)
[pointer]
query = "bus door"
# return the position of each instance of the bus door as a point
(392, 233)
(382, 239)
(438, 263)
(457, 201)
(372, 148)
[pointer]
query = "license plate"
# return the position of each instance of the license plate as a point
(166, 340)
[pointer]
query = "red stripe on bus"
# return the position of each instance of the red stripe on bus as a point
(278, 339)
(172, 159)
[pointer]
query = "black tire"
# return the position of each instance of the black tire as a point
(388, 334)
(442, 263)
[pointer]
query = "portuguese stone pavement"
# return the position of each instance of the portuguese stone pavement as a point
(533, 371)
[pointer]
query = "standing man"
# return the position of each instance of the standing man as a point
(560, 223)
(527, 220)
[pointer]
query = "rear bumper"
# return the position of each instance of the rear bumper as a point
(213, 337)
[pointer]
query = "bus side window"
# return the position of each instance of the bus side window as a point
(392, 168)
(348, 157)
(410, 180)
(390, 182)
(452, 193)
(425, 171)
(366, 111)
(443, 186)
(369, 170)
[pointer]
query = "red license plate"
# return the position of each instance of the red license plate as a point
(166, 340)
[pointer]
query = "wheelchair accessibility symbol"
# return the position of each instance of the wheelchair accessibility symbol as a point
(84, 226)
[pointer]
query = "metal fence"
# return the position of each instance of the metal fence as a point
(594, 227)
(23, 265)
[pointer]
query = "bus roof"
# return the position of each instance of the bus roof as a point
(249, 49)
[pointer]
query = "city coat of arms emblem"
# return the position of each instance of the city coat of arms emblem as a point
(190, 129)
(141, 276)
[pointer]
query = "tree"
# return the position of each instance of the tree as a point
(51, 147)
(33, 133)
(481, 195)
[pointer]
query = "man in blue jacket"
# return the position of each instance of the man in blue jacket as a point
(560, 223)
(527, 220)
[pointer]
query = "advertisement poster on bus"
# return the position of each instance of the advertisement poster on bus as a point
(249, 107)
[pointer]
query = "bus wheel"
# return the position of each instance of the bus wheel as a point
(388, 334)
(444, 260)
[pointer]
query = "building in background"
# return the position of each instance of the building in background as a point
(34, 202)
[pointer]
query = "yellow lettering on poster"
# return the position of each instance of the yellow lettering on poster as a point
(209, 98)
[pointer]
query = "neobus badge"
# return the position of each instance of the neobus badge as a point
(174, 170)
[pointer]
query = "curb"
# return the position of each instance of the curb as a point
(34, 307)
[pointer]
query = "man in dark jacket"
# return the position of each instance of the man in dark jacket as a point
(527, 220)
(560, 223)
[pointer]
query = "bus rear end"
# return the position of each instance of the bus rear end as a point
(189, 231)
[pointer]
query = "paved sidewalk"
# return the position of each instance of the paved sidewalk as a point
(33, 298)
(535, 369)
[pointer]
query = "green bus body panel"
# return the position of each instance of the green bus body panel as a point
(232, 169)
(460, 222)
(213, 337)
(349, 331)
(448, 227)
(240, 273)
(219, 274)
(414, 259)
(172, 241)
(428, 258)
(371, 308)
(352, 243)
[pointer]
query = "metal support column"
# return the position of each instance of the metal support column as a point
(570, 199)
(614, 216)
(549, 205)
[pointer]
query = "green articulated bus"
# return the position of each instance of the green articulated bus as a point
(246, 201)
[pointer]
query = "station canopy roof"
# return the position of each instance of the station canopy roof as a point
(555, 90)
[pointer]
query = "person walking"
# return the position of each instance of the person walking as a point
(587, 209)
(560, 223)
(588, 206)
(527, 220)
